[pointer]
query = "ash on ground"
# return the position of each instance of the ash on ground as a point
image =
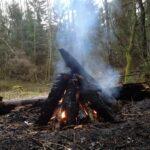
(17, 131)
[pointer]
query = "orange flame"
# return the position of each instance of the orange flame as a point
(63, 115)
(60, 102)
(95, 112)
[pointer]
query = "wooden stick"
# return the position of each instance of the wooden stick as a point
(7, 105)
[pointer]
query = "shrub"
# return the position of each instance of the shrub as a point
(21, 69)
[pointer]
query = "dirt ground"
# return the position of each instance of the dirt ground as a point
(17, 131)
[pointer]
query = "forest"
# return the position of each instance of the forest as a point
(28, 37)
(74, 74)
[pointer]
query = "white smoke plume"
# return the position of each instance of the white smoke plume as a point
(78, 20)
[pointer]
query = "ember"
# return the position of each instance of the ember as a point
(60, 102)
(63, 115)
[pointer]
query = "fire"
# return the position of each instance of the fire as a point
(95, 112)
(84, 109)
(63, 115)
(86, 112)
(60, 102)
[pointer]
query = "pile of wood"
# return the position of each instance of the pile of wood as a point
(78, 92)
(75, 93)
(73, 102)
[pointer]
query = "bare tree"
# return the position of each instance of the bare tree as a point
(107, 25)
(143, 29)
(131, 44)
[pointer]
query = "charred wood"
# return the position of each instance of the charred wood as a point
(70, 104)
(7, 106)
(126, 92)
(88, 83)
(96, 102)
(132, 92)
(54, 96)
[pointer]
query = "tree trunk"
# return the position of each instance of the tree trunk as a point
(49, 59)
(131, 44)
(108, 41)
(143, 29)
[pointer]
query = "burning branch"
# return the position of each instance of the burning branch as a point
(73, 90)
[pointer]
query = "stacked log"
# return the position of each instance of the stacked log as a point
(57, 92)
(78, 80)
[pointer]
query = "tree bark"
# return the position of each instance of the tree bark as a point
(131, 44)
(143, 29)
(108, 41)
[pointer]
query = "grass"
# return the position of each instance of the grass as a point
(21, 90)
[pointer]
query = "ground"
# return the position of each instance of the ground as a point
(15, 89)
(17, 131)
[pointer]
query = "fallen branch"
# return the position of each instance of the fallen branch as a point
(7, 105)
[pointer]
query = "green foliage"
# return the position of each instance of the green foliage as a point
(28, 37)
(15, 21)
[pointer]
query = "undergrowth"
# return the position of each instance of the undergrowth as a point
(19, 90)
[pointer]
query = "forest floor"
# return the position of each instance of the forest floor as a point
(10, 89)
(17, 131)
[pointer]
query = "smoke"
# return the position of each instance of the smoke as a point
(76, 28)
